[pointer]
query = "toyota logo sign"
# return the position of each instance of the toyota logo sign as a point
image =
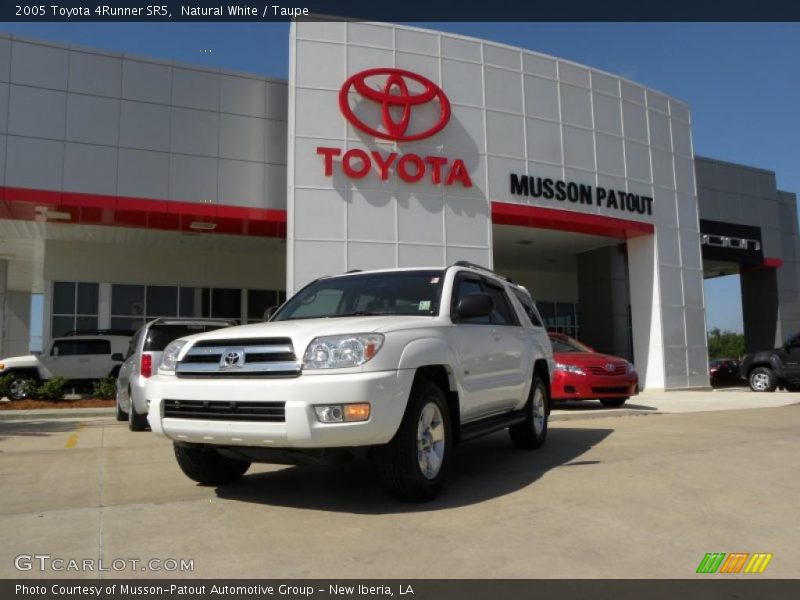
(397, 92)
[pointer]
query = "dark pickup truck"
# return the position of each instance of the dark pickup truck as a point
(770, 369)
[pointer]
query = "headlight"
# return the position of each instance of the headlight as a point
(631, 369)
(170, 356)
(575, 370)
(339, 351)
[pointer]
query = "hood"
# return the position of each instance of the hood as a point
(20, 361)
(584, 359)
(302, 331)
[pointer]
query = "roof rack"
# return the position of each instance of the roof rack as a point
(193, 320)
(76, 332)
(472, 265)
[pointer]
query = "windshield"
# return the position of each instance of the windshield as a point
(414, 293)
(568, 344)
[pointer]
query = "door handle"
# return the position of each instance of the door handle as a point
(496, 335)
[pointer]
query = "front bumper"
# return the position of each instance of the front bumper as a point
(386, 391)
(568, 386)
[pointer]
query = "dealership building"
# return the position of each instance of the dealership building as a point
(134, 188)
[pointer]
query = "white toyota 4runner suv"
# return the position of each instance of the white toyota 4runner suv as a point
(399, 365)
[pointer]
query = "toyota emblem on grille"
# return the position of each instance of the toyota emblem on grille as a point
(232, 358)
(610, 367)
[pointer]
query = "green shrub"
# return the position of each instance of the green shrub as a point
(5, 382)
(105, 388)
(52, 389)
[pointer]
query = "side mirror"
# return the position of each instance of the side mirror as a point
(54, 352)
(269, 312)
(117, 357)
(474, 305)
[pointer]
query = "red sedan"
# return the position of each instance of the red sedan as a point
(583, 374)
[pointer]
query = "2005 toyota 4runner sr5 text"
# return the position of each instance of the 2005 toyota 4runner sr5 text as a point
(398, 365)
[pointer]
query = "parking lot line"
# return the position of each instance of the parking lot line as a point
(72, 440)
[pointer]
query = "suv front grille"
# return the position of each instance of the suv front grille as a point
(225, 411)
(253, 357)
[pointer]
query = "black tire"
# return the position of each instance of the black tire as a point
(399, 461)
(121, 414)
(613, 402)
(136, 422)
(528, 435)
(209, 467)
(762, 379)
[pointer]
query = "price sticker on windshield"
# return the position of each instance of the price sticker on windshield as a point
(424, 304)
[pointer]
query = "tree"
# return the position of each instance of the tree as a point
(725, 344)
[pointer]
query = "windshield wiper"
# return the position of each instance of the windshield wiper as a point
(355, 313)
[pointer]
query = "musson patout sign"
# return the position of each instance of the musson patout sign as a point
(391, 89)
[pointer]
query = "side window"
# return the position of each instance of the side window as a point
(503, 314)
(133, 344)
(464, 286)
(63, 348)
(529, 307)
(93, 347)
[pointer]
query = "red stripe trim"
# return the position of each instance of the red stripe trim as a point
(101, 209)
(772, 263)
(523, 215)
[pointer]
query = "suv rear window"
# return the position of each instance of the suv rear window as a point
(158, 336)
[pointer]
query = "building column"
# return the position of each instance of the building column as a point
(603, 301)
(645, 296)
(760, 310)
(15, 317)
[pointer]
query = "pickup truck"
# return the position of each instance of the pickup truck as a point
(398, 365)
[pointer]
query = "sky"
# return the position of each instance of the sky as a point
(741, 80)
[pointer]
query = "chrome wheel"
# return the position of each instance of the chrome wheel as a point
(17, 389)
(539, 410)
(430, 440)
(760, 381)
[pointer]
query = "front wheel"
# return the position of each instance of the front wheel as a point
(413, 465)
(20, 387)
(613, 402)
(762, 379)
(207, 466)
(532, 432)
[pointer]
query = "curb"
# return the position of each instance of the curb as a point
(60, 413)
(601, 414)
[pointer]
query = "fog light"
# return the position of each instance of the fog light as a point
(356, 412)
(338, 413)
(329, 414)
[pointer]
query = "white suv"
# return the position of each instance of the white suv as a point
(79, 357)
(399, 365)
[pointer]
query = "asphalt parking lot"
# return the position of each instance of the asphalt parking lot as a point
(609, 496)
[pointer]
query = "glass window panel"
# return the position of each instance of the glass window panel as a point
(226, 303)
(63, 298)
(162, 301)
(206, 303)
(126, 323)
(258, 301)
(84, 323)
(62, 325)
(127, 300)
(64, 348)
(87, 298)
(187, 302)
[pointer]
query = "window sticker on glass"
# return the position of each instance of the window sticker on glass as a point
(434, 280)
(424, 304)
